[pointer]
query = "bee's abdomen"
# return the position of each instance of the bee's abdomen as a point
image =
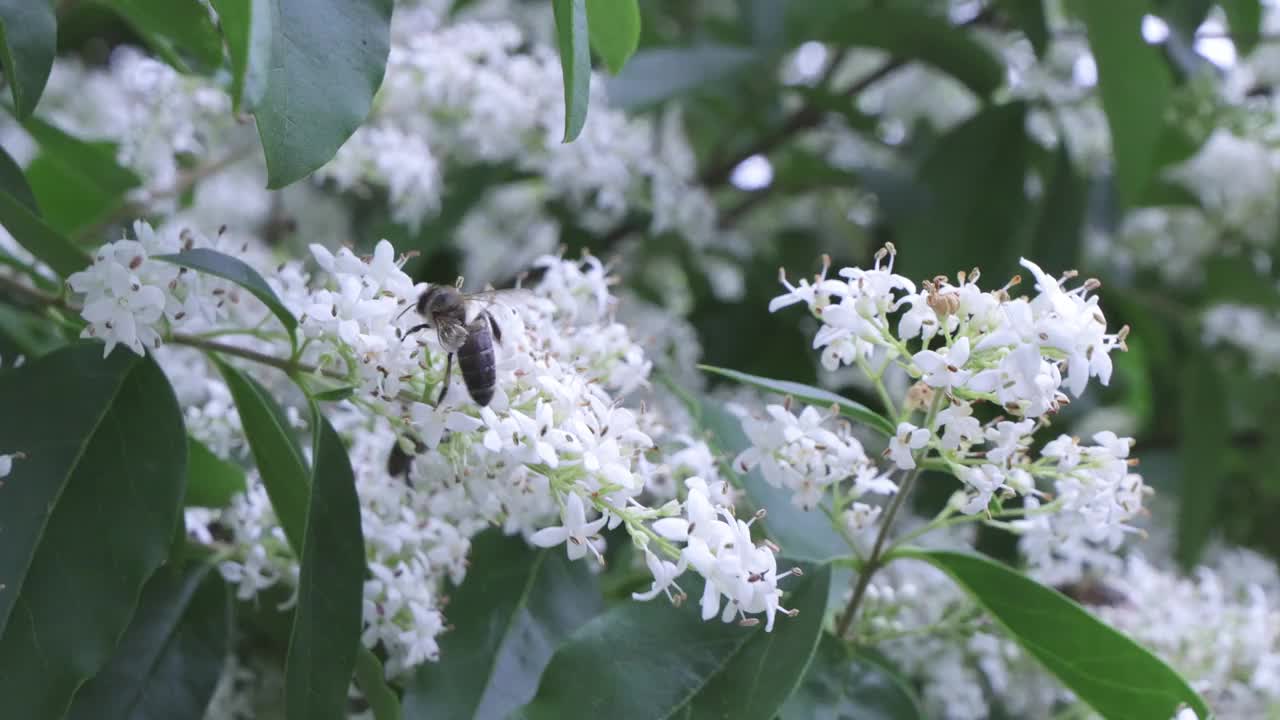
(476, 360)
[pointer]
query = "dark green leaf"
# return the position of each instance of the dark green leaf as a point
(327, 622)
(275, 450)
(1235, 278)
(372, 680)
(910, 35)
(169, 660)
(235, 270)
(77, 183)
(326, 62)
(108, 435)
(1162, 193)
(1134, 83)
(1030, 17)
(336, 394)
(19, 215)
(1244, 19)
(841, 686)
(28, 40)
(614, 27)
(813, 396)
(246, 24)
(1059, 228)
(575, 62)
(651, 660)
(513, 610)
(658, 74)
(1116, 676)
(211, 481)
(174, 28)
(1205, 435)
(974, 180)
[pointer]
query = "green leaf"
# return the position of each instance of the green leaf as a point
(1058, 235)
(1029, 15)
(174, 28)
(812, 395)
(275, 450)
(326, 62)
(1244, 19)
(372, 680)
(28, 41)
(21, 217)
(100, 492)
(336, 394)
(169, 660)
(78, 184)
(657, 74)
(614, 27)
(509, 615)
(211, 481)
(575, 62)
(238, 272)
(651, 660)
(1134, 83)
(327, 622)
(1117, 677)
(246, 25)
(974, 180)
(910, 35)
(841, 686)
(1205, 439)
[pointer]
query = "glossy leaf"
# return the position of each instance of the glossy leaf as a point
(812, 395)
(237, 271)
(1116, 676)
(614, 27)
(973, 180)
(28, 42)
(77, 183)
(575, 62)
(329, 616)
(120, 472)
(246, 25)
(21, 217)
(645, 660)
(326, 62)
(653, 75)
(372, 681)
(275, 451)
(1244, 19)
(174, 28)
(844, 686)
(169, 660)
(211, 481)
(1205, 437)
(508, 618)
(1134, 84)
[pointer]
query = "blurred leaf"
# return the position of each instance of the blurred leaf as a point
(211, 481)
(1029, 16)
(1244, 19)
(28, 39)
(100, 491)
(20, 216)
(275, 450)
(77, 183)
(614, 27)
(329, 617)
(509, 615)
(336, 394)
(1162, 193)
(246, 25)
(766, 22)
(1135, 86)
(812, 395)
(174, 28)
(840, 686)
(372, 680)
(575, 62)
(973, 180)
(327, 60)
(237, 271)
(909, 35)
(647, 660)
(1233, 278)
(657, 74)
(1205, 436)
(172, 654)
(1117, 677)
(1059, 228)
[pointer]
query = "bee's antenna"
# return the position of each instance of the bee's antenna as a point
(406, 309)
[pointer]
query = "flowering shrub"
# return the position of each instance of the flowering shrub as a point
(351, 360)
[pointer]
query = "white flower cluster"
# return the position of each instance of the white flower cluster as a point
(984, 347)
(1253, 330)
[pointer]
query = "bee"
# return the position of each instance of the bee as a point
(465, 329)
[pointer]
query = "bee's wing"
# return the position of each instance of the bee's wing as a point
(505, 296)
(452, 335)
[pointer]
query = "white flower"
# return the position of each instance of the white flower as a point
(576, 532)
(6, 463)
(908, 438)
(664, 578)
(943, 369)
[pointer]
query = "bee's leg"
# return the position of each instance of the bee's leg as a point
(415, 329)
(448, 377)
(493, 325)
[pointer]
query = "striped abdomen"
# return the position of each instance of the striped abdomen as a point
(477, 362)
